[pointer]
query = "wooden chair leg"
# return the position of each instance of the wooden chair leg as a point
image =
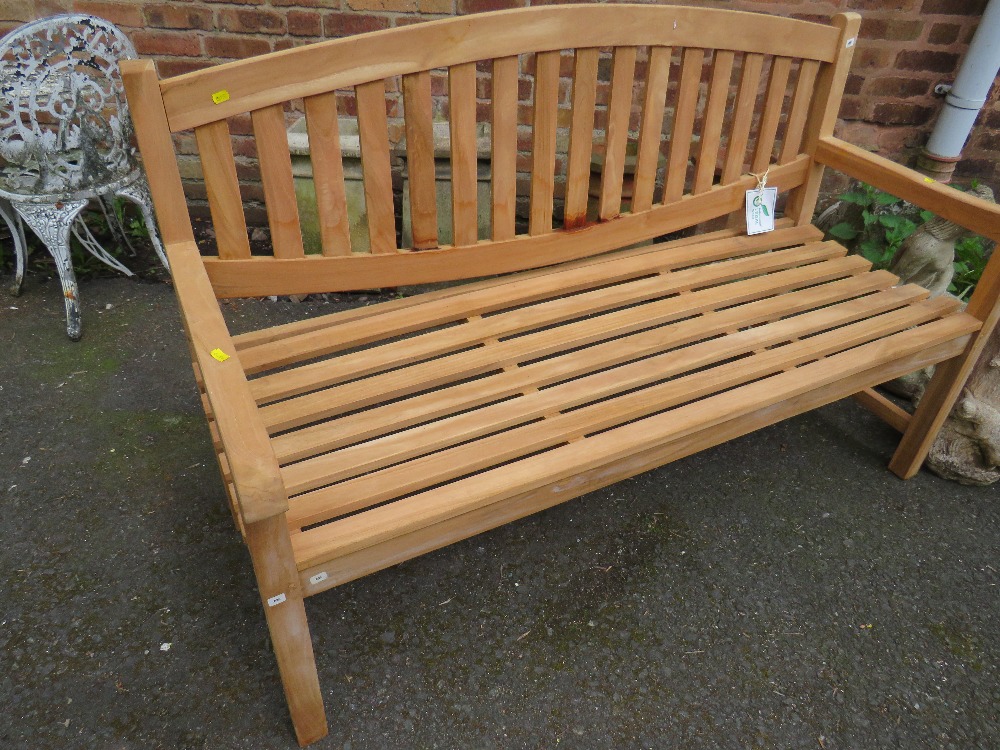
(934, 407)
(284, 607)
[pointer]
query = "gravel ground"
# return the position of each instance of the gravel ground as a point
(781, 591)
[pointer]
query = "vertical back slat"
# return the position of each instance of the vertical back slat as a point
(328, 173)
(419, 121)
(773, 104)
(279, 187)
(619, 109)
(224, 201)
(651, 129)
(504, 147)
(800, 109)
(829, 89)
(543, 144)
(376, 170)
(715, 110)
(683, 129)
(462, 105)
(581, 136)
(739, 132)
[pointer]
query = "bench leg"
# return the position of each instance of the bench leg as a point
(271, 551)
(934, 407)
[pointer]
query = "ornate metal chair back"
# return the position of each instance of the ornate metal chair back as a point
(64, 124)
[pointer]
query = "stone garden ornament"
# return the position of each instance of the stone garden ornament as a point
(66, 137)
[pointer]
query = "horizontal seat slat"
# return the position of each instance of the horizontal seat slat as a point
(400, 320)
(365, 457)
(395, 519)
(330, 435)
(550, 312)
(436, 343)
(785, 233)
(402, 381)
(544, 495)
(364, 491)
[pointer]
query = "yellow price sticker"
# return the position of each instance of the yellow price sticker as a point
(219, 355)
(220, 96)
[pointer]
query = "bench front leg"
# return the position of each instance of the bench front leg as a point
(934, 408)
(281, 594)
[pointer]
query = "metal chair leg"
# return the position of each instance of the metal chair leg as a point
(52, 223)
(13, 222)
(86, 238)
(115, 225)
(138, 193)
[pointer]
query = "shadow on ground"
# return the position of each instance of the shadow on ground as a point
(781, 591)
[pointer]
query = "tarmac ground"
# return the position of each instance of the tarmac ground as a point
(781, 591)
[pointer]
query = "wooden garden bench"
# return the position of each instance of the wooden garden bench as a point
(357, 440)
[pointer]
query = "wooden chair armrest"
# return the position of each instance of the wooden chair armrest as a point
(255, 471)
(975, 214)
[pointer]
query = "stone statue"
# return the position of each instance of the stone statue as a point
(927, 257)
(967, 450)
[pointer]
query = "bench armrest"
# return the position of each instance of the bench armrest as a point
(975, 214)
(255, 471)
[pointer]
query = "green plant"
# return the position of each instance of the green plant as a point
(970, 262)
(882, 228)
(133, 224)
(881, 224)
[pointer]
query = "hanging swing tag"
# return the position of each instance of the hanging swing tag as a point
(760, 210)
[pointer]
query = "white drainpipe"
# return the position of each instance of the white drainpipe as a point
(967, 96)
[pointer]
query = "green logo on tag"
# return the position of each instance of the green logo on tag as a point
(758, 202)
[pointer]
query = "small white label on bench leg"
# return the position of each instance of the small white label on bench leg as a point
(760, 210)
(318, 578)
(851, 42)
(274, 601)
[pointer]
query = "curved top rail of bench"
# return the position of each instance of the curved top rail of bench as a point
(339, 63)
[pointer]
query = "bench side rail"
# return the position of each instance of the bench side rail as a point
(968, 211)
(672, 93)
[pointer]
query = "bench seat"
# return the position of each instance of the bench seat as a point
(392, 421)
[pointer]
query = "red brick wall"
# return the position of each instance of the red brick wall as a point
(906, 47)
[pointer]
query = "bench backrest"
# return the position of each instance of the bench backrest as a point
(717, 93)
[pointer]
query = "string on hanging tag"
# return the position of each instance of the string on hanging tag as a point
(761, 179)
(760, 204)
